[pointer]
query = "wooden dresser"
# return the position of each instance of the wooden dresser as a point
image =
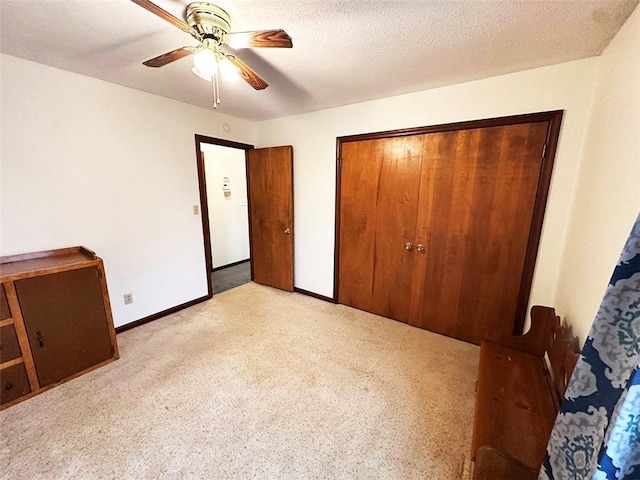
(55, 320)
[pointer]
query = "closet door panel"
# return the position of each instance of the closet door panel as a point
(445, 214)
(502, 243)
(380, 187)
(477, 224)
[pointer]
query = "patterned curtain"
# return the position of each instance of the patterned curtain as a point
(597, 432)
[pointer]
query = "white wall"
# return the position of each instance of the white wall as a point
(566, 87)
(228, 216)
(607, 197)
(86, 162)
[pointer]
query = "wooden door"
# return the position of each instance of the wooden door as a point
(379, 208)
(66, 322)
(469, 200)
(270, 192)
(478, 195)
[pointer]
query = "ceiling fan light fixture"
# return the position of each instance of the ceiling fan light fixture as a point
(206, 67)
(204, 77)
(228, 70)
(206, 62)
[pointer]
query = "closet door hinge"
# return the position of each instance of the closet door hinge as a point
(544, 151)
(339, 162)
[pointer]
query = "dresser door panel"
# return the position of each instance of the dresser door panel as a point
(66, 322)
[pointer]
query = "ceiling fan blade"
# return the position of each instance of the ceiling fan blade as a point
(175, 21)
(260, 39)
(247, 74)
(172, 56)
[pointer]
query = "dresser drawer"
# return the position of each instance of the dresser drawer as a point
(9, 346)
(14, 383)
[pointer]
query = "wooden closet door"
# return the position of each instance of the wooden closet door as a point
(478, 192)
(380, 186)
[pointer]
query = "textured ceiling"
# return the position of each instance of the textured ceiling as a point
(343, 51)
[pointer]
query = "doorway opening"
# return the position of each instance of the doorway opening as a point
(222, 176)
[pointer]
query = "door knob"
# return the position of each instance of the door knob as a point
(408, 246)
(287, 231)
(420, 247)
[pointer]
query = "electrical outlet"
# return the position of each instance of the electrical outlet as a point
(128, 298)
(196, 209)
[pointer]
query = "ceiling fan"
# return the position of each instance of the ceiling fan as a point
(211, 26)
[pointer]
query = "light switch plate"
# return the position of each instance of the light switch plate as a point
(196, 210)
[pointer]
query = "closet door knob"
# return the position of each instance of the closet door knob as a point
(287, 231)
(420, 247)
(408, 246)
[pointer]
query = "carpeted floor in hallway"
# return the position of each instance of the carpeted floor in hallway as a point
(256, 383)
(231, 277)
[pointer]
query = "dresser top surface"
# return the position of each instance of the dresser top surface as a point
(15, 267)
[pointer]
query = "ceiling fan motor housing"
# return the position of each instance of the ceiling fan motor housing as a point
(208, 20)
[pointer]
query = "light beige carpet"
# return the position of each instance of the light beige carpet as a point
(256, 383)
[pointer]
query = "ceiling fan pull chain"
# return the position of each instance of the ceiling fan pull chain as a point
(215, 93)
(217, 85)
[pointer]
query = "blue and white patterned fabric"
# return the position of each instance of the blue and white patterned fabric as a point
(597, 432)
